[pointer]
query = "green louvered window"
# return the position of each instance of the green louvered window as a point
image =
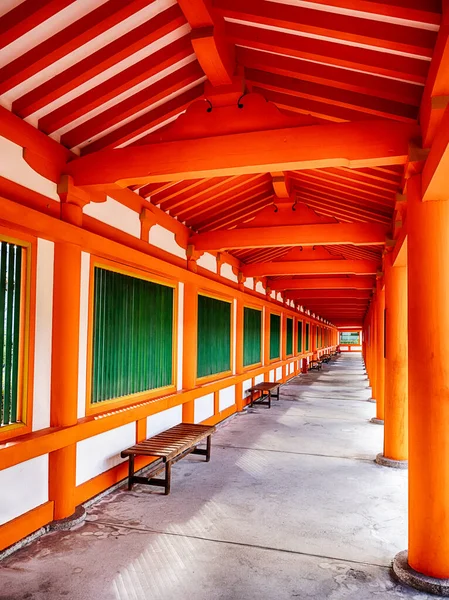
(10, 309)
(275, 336)
(133, 335)
(307, 342)
(252, 336)
(214, 336)
(289, 337)
(299, 338)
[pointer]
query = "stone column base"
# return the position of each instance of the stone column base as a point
(408, 576)
(78, 517)
(376, 421)
(372, 400)
(390, 462)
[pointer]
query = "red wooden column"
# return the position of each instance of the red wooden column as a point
(396, 368)
(428, 391)
(64, 377)
(380, 354)
(190, 346)
(239, 354)
(373, 348)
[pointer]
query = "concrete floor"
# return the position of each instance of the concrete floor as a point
(290, 506)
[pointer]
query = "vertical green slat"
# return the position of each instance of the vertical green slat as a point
(214, 336)
(275, 336)
(16, 332)
(2, 326)
(133, 335)
(9, 332)
(289, 336)
(299, 343)
(252, 331)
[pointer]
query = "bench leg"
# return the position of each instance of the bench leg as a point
(269, 399)
(167, 477)
(130, 472)
(208, 447)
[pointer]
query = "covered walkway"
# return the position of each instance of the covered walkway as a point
(292, 505)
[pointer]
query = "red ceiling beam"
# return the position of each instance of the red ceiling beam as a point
(231, 197)
(370, 61)
(67, 40)
(436, 92)
(309, 106)
(369, 105)
(335, 283)
(146, 97)
(123, 81)
(26, 16)
(329, 75)
(370, 143)
(218, 194)
(290, 235)
(312, 267)
(425, 11)
(150, 119)
(97, 62)
(214, 53)
(242, 210)
(354, 29)
(308, 295)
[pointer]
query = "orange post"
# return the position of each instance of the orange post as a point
(428, 378)
(239, 354)
(380, 353)
(396, 367)
(266, 337)
(64, 373)
(373, 353)
(189, 348)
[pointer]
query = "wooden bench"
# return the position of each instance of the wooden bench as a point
(169, 447)
(325, 358)
(267, 389)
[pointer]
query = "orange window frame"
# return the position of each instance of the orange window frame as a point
(27, 334)
(136, 398)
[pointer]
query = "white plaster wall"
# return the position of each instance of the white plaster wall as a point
(15, 168)
(278, 373)
(115, 214)
(208, 261)
(101, 452)
(227, 272)
(43, 334)
(23, 487)
(164, 420)
(259, 378)
(165, 240)
(271, 375)
(279, 296)
(83, 341)
(292, 368)
(260, 288)
(180, 332)
(273, 294)
(249, 283)
(245, 386)
(226, 397)
(203, 408)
